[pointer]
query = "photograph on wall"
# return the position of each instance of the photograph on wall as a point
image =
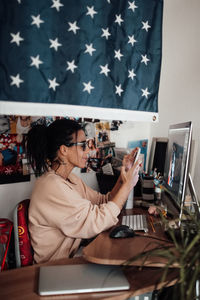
(4, 124)
(94, 160)
(13, 160)
(106, 153)
(102, 130)
(89, 129)
(115, 125)
(22, 124)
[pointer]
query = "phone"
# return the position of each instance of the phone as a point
(136, 155)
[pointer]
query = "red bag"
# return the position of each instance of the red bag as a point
(6, 227)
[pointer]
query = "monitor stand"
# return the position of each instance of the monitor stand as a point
(184, 221)
(195, 199)
(193, 205)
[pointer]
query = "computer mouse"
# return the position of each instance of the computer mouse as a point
(122, 231)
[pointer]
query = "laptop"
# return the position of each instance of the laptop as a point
(81, 278)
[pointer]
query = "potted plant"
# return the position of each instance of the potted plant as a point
(184, 254)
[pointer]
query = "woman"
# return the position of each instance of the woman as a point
(63, 209)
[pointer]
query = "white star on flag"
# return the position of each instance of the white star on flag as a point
(131, 74)
(53, 84)
(118, 54)
(132, 6)
(104, 70)
(108, 1)
(16, 80)
(91, 12)
(16, 38)
(56, 4)
(105, 33)
(145, 93)
(73, 27)
(54, 44)
(131, 40)
(118, 19)
(118, 89)
(71, 66)
(87, 87)
(36, 21)
(19, 1)
(36, 61)
(145, 59)
(146, 26)
(89, 49)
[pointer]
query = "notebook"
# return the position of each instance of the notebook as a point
(81, 278)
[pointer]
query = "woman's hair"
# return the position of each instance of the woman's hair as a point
(43, 142)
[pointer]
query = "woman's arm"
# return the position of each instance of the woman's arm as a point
(129, 179)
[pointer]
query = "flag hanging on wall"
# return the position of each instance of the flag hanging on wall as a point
(78, 57)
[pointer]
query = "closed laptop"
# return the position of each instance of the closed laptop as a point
(81, 278)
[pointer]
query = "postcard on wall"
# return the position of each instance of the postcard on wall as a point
(13, 160)
(94, 159)
(143, 144)
(102, 133)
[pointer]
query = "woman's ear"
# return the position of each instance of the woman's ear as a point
(63, 150)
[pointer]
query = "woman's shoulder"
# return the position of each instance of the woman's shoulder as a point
(53, 178)
(49, 178)
(74, 178)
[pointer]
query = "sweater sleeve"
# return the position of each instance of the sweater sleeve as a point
(75, 215)
(90, 194)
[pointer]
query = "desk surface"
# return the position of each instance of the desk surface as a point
(22, 283)
(104, 250)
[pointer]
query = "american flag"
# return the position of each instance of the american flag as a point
(91, 53)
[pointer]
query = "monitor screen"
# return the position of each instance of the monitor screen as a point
(177, 161)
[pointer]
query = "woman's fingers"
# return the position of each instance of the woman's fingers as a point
(130, 175)
(128, 159)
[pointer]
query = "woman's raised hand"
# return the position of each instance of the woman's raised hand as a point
(130, 176)
(128, 159)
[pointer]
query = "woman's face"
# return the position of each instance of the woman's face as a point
(76, 155)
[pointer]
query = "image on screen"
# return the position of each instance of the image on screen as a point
(177, 161)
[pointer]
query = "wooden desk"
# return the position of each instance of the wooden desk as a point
(22, 283)
(104, 250)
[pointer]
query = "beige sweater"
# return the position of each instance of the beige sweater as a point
(61, 213)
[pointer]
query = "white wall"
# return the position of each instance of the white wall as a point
(11, 194)
(179, 95)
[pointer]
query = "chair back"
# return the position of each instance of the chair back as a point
(23, 248)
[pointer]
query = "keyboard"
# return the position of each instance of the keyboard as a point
(136, 222)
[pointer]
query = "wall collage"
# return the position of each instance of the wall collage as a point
(14, 166)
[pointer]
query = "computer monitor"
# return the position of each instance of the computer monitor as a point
(176, 171)
(157, 155)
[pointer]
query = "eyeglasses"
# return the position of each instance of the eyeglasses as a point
(83, 144)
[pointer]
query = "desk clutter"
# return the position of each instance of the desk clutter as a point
(148, 187)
